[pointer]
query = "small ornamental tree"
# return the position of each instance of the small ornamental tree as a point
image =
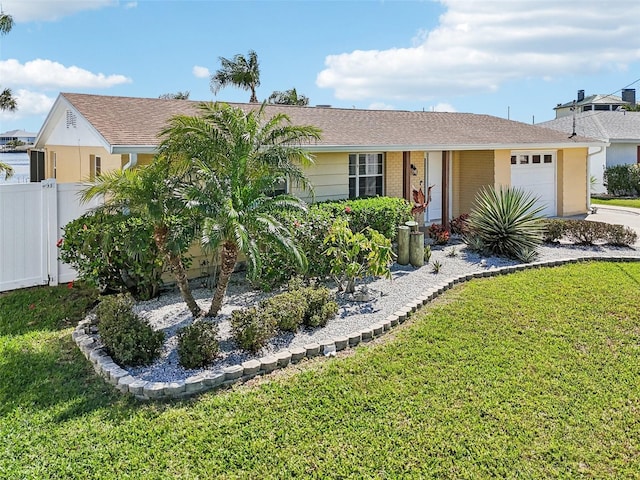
(357, 255)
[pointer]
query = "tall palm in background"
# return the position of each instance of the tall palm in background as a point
(288, 97)
(239, 158)
(150, 193)
(242, 72)
(7, 102)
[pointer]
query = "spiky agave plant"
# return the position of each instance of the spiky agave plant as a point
(506, 221)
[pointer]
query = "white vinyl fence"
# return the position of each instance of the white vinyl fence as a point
(32, 217)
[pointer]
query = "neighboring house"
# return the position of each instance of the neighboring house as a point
(620, 130)
(361, 152)
(27, 138)
(596, 103)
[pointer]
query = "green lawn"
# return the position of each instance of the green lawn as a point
(530, 375)
(620, 202)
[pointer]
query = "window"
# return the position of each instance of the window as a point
(54, 165)
(365, 174)
(98, 166)
(531, 158)
(280, 188)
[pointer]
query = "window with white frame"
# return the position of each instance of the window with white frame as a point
(54, 165)
(366, 173)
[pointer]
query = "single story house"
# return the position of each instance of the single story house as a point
(361, 152)
(619, 129)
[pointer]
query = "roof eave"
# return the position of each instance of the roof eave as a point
(139, 149)
(444, 147)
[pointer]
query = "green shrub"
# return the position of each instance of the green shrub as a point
(553, 230)
(113, 252)
(623, 180)
(586, 232)
(505, 222)
(357, 255)
(286, 309)
(382, 214)
(198, 344)
(251, 330)
(621, 235)
(128, 338)
(320, 306)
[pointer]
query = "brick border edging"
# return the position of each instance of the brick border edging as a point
(104, 365)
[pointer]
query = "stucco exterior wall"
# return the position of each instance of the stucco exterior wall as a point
(73, 164)
(502, 168)
(622, 154)
(393, 174)
(572, 181)
(329, 176)
(471, 170)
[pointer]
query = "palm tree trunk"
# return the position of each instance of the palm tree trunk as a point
(228, 258)
(177, 269)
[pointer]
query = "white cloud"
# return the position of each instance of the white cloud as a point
(47, 74)
(49, 10)
(29, 104)
(442, 107)
(200, 72)
(380, 106)
(478, 46)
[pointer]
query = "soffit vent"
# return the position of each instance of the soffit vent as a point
(71, 119)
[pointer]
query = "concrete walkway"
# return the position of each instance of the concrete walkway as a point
(627, 216)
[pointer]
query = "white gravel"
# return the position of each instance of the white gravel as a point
(169, 313)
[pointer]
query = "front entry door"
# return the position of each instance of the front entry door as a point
(433, 176)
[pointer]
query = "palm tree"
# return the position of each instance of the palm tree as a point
(6, 170)
(240, 72)
(289, 97)
(176, 96)
(7, 102)
(240, 157)
(150, 192)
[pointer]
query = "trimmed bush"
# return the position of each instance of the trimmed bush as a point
(251, 330)
(506, 222)
(128, 338)
(382, 214)
(113, 252)
(287, 310)
(586, 232)
(623, 180)
(198, 344)
(320, 306)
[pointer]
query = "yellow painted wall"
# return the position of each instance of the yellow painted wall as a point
(393, 174)
(74, 163)
(572, 181)
(502, 168)
(329, 176)
(471, 170)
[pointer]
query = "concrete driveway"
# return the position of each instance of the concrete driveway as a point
(617, 215)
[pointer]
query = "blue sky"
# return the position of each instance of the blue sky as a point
(508, 58)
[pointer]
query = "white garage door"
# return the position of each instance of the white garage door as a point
(536, 173)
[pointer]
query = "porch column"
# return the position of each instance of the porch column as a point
(406, 175)
(446, 155)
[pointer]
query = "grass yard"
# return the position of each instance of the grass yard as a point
(620, 202)
(531, 375)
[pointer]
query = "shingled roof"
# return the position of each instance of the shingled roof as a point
(607, 126)
(127, 122)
